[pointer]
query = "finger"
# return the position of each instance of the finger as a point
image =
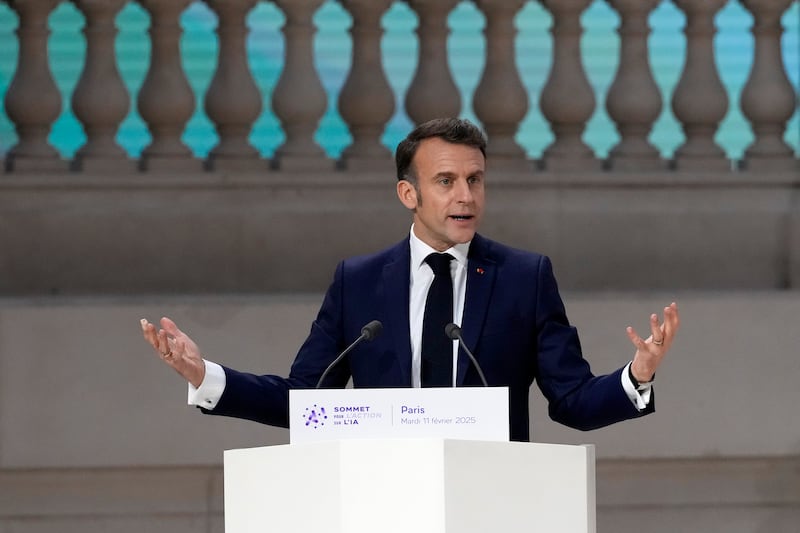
(170, 327)
(656, 331)
(169, 352)
(149, 331)
(151, 336)
(674, 316)
(671, 320)
(163, 342)
(636, 339)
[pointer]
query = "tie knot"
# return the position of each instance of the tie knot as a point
(439, 263)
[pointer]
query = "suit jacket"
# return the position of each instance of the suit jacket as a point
(514, 323)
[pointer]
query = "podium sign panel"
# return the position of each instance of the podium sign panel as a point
(470, 413)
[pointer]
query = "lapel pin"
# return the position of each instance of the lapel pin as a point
(479, 270)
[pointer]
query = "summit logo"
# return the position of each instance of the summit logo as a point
(315, 416)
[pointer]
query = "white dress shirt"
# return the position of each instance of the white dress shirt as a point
(421, 279)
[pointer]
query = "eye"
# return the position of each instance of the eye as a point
(444, 181)
(472, 180)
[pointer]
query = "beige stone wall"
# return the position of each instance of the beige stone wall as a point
(95, 434)
(74, 234)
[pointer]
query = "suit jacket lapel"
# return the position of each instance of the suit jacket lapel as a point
(396, 276)
(481, 272)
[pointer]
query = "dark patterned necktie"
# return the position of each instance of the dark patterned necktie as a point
(437, 349)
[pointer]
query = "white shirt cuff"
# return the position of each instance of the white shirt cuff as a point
(639, 397)
(209, 392)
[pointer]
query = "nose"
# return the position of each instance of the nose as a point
(463, 192)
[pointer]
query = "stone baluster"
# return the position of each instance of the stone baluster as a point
(432, 92)
(166, 100)
(101, 100)
(233, 101)
(567, 100)
(500, 100)
(634, 117)
(366, 101)
(299, 100)
(700, 101)
(33, 102)
(768, 100)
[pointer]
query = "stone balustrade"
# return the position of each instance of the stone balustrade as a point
(631, 219)
(366, 101)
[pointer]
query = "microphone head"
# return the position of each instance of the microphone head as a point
(452, 331)
(372, 330)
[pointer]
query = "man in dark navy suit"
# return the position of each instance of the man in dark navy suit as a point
(505, 300)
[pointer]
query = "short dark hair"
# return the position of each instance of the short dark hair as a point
(452, 130)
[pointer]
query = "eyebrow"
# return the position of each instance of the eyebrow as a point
(444, 175)
(447, 174)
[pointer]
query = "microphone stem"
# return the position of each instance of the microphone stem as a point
(339, 358)
(472, 358)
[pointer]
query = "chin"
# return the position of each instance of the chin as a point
(462, 238)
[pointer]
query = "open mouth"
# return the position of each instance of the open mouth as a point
(462, 217)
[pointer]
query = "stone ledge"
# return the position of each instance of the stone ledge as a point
(104, 492)
(773, 482)
(97, 236)
(222, 179)
(622, 486)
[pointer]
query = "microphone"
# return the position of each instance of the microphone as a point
(368, 333)
(453, 332)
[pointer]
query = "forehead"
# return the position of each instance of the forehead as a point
(436, 156)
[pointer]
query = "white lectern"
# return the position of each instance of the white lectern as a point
(410, 485)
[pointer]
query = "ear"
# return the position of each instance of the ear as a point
(407, 194)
